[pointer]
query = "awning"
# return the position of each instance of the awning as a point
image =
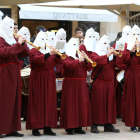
(111, 5)
(15, 2)
(67, 14)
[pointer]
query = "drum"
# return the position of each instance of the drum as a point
(59, 82)
(120, 76)
(120, 79)
(25, 75)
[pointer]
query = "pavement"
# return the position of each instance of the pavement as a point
(124, 134)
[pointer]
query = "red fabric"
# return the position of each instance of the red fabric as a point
(59, 70)
(83, 48)
(103, 97)
(131, 94)
(119, 94)
(10, 86)
(42, 104)
(74, 95)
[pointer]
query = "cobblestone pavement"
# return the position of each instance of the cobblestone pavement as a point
(125, 134)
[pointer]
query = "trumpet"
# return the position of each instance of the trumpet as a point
(63, 56)
(118, 53)
(89, 60)
(38, 48)
(137, 53)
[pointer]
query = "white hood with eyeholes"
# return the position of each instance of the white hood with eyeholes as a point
(134, 34)
(41, 40)
(6, 30)
(101, 48)
(51, 38)
(97, 37)
(125, 33)
(24, 32)
(90, 41)
(71, 47)
(61, 35)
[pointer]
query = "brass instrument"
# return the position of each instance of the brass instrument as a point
(63, 56)
(138, 52)
(118, 53)
(89, 60)
(38, 48)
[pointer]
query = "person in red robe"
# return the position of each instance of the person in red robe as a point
(118, 88)
(75, 106)
(24, 31)
(88, 47)
(10, 82)
(103, 97)
(89, 43)
(42, 103)
(131, 97)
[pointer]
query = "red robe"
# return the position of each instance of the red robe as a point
(10, 84)
(103, 97)
(131, 94)
(83, 48)
(75, 105)
(119, 94)
(42, 104)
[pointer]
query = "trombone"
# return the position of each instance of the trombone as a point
(89, 60)
(38, 48)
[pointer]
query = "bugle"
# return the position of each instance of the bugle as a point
(138, 51)
(63, 56)
(89, 60)
(118, 53)
(38, 48)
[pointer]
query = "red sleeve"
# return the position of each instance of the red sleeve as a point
(127, 57)
(100, 60)
(25, 52)
(58, 60)
(35, 57)
(10, 50)
(118, 61)
(71, 64)
(83, 48)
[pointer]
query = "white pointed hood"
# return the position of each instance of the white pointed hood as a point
(71, 47)
(41, 40)
(134, 34)
(90, 41)
(51, 38)
(97, 37)
(104, 43)
(6, 30)
(24, 31)
(125, 33)
(61, 35)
